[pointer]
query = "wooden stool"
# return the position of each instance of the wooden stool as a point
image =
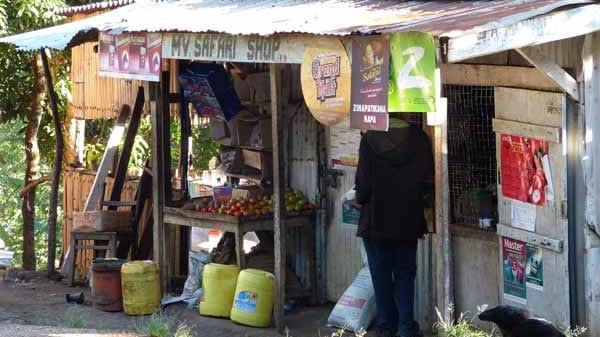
(77, 244)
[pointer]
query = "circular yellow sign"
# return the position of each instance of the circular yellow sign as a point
(325, 76)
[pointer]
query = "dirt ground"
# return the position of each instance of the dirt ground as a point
(41, 302)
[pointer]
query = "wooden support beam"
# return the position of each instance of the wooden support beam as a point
(443, 245)
(132, 128)
(497, 76)
(530, 32)
(548, 133)
(565, 81)
(158, 183)
(95, 195)
(279, 190)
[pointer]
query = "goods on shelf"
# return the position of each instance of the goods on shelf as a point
(254, 206)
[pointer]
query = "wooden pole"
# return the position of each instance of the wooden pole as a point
(279, 190)
(158, 183)
(443, 243)
(121, 172)
(58, 156)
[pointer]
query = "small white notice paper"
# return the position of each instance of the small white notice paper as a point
(523, 215)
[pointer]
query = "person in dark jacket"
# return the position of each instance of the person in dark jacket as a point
(394, 176)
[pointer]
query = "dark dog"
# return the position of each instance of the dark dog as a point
(515, 322)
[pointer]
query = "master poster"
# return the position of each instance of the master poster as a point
(513, 261)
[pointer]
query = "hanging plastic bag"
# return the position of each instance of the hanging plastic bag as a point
(350, 214)
(210, 90)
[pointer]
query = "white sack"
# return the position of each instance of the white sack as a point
(355, 310)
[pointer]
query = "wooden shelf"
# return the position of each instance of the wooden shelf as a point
(243, 147)
(256, 179)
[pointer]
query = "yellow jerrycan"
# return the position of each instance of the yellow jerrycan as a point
(141, 287)
(253, 302)
(218, 281)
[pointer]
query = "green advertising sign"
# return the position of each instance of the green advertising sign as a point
(412, 73)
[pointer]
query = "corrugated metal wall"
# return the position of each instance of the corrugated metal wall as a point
(302, 175)
(344, 257)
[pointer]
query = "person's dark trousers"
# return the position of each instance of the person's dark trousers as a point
(393, 267)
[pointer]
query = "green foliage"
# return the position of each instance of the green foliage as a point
(75, 318)
(575, 332)
(16, 70)
(462, 327)
(93, 153)
(98, 131)
(12, 166)
(183, 331)
(156, 326)
(16, 75)
(203, 149)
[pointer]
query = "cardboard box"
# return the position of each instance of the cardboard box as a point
(261, 137)
(242, 87)
(250, 191)
(260, 86)
(222, 193)
(243, 132)
(218, 129)
(232, 160)
(259, 160)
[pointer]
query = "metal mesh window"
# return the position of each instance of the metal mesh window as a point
(471, 154)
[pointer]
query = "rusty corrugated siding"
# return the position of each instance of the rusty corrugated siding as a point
(330, 17)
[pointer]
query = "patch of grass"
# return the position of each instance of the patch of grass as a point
(183, 331)
(462, 327)
(575, 332)
(155, 326)
(75, 318)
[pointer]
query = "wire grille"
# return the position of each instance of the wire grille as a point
(471, 153)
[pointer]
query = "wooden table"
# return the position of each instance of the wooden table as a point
(241, 225)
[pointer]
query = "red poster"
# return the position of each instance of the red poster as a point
(107, 52)
(154, 50)
(131, 55)
(370, 80)
(522, 170)
(123, 44)
(137, 53)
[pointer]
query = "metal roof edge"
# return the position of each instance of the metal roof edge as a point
(69, 11)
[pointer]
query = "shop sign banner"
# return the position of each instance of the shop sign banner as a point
(234, 48)
(325, 78)
(130, 55)
(535, 268)
(344, 145)
(370, 78)
(513, 260)
(522, 174)
(412, 73)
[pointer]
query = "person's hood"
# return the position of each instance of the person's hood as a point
(397, 146)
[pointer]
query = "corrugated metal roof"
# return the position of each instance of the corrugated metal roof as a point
(93, 7)
(267, 17)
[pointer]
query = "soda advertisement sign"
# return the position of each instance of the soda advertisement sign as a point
(130, 55)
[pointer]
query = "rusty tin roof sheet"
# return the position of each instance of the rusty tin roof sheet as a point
(267, 17)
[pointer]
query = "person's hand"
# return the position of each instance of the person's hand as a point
(354, 204)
